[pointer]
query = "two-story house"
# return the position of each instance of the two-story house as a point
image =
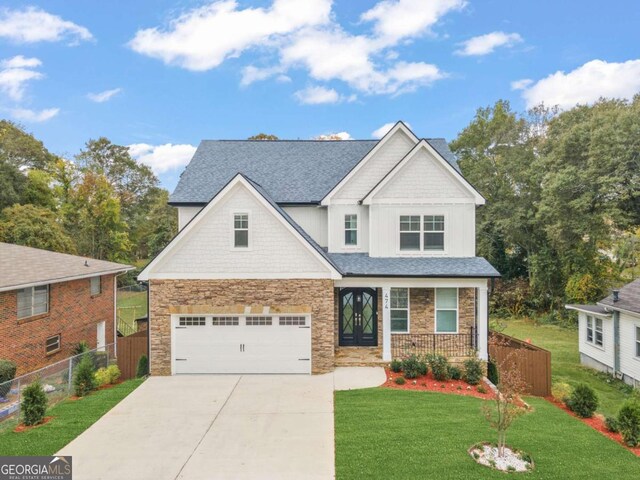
(297, 256)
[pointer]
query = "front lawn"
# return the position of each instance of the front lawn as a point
(565, 361)
(72, 417)
(396, 434)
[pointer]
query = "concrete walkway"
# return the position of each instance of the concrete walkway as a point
(219, 427)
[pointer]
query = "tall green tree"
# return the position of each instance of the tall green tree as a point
(34, 227)
(22, 149)
(12, 184)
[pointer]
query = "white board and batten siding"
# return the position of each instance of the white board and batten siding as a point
(336, 220)
(313, 219)
(604, 355)
(185, 214)
(208, 252)
(629, 362)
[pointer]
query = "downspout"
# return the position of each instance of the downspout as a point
(616, 341)
(148, 285)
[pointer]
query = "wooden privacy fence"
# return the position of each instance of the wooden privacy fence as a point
(534, 363)
(129, 350)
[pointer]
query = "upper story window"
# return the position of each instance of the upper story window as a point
(422, 233)
(241, 230)
(351, 230)
(33, 301)
(446, 310)
(594, 331)
(96, 285)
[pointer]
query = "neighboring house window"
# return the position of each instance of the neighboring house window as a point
(637, 341)
(399, 307)
(594, 331)
(33, 301)
(446, 310)
(52, 344)
(434, 232)
(351, 230)
(410, 232)
(241, 230)
(96, 285)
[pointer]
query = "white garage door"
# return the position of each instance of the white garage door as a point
(242, 344)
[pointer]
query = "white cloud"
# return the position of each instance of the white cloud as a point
(382, 131)
(521, 84)
(202, 38)
(317, 95)
(586, 84)
(15, 73)
(334, 136)
(34, 116)
(103, 96)
(32, 24)
(302, 35)
(162, 158)
(486, 44)
(398, 19)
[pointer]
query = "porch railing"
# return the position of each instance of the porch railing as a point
(447, 344)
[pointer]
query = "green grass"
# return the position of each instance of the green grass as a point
(565, 361)
(131, 305)
(395, 434)
(71, 418)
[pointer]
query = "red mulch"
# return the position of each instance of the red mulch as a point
(597, 423)
(108, 385)
(23, 428)
(428, 383)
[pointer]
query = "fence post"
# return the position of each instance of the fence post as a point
(70, 374)
(19, 400)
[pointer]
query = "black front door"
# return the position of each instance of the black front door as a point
(358, 320)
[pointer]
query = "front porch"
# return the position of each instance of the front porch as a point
(377, 320)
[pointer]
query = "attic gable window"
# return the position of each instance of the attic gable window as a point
(241, 230)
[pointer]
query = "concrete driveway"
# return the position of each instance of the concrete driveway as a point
(218, 427)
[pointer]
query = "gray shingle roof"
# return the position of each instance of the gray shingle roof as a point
(361, 264)
(596, 309)
(22, 266)
(291, 171)
(628, 298)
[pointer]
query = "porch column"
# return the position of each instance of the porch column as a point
(482, 326)
(386, 324)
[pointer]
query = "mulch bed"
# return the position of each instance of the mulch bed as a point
(428, 383)
(23, 428)
(597, 423)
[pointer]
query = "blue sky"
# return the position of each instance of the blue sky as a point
(162, 75)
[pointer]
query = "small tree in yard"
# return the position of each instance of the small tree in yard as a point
(143, 366)
(34, 404)
(84, 380)
(507, 405)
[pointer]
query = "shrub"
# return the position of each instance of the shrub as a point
(455, 373)
(114, 373)
(473, 371)
(7, 373)
(561, 391)
(440, 367)
(412, 367)
(492, 373)
(399, 380)
(79, 348)
(143, 366)
(396, 365)
(583, 401)
(629, 422)
(34, 404)
(481, 389)
(101, 376)
(612, 424)
(84, 380)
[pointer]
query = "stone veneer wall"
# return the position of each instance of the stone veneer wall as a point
(313, 296)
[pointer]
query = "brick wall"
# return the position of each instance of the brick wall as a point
(219, 296)
(73, 313)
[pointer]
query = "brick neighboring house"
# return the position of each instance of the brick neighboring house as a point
(51, 301)
(299, 256)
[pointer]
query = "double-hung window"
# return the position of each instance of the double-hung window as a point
(446, 310)
(33, 301)
(96, 286)
(351, 230)
(594, 331)
(410, 232)
(241, 230)
(399, 308)
(637, 341)
(422, 233)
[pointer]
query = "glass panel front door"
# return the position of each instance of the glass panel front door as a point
(358, 322)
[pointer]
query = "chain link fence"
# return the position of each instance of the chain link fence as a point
(56, 379)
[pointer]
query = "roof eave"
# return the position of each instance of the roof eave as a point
(68, 278)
